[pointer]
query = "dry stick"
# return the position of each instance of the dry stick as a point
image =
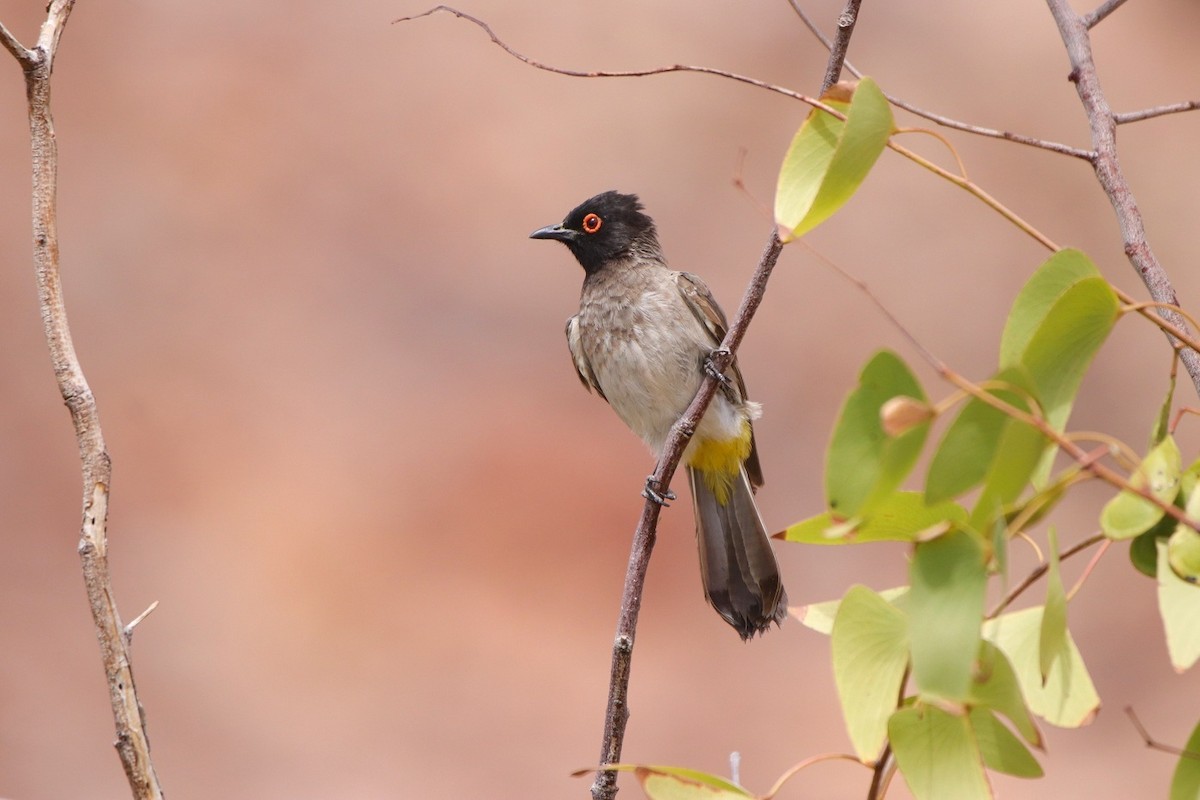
(947, 122)
(1074, 32)
(132, 744)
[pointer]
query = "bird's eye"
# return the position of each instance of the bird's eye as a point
(591, 223)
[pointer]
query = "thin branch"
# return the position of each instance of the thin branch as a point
(1074, 32)
(132, 745)
(979, 130)
(20, 52)
(1153, 743)
(947, 122)
(1090, 20)
(635, 73)
(1041, 570)
(1157, 111)
(841, 43)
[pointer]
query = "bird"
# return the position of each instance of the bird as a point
(643, 340)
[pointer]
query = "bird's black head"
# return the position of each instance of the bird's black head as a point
(606, 227)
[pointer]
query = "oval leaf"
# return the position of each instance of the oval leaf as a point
(829, 158)
(945, 608)
(865, 464)
(1129, 514)
(870, 657)
(938, 755)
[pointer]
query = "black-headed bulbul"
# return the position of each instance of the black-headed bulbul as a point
(642, 339)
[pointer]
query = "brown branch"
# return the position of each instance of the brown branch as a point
(1157, 111)
(1074, 32)
(947, 122)
(1041, 570)
(132, 744)
(635, 73)
(1153, 743)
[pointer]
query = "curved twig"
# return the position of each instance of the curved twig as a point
(947, 122)
(132, 745)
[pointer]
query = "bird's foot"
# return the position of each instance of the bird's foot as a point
(711, 368)
(654, 491)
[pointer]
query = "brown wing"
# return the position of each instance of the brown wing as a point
(582, 367)
(704, 306)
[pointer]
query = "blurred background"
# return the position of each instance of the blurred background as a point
(386, 527)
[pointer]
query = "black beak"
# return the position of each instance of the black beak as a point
(554, 232)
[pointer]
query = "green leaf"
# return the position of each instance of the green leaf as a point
(937, 754)
(870, 657)
(1129, 514)
(829, 158)
(986, 444)
(1037, 297)
(1052, 640)
(1163, 421)
(1185, 783)
(820, 616)
(945, 608)
(1179, 606)
(1057, 323)
(1067, 698)
(901, 517)
(996, 687)
(1017, 455)
(1143, 551)
(864, 464)
(1001, 750)
(1183, 547)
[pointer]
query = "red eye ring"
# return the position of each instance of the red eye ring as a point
(592, 223)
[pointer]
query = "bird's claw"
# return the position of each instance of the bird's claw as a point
(654, 491)
(711, 368)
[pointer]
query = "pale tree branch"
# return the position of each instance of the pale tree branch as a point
(1093, 18)
(1074, 31)
(131, 743)
(1157, 111)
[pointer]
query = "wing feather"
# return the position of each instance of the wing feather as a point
(579, 358)
(704, 306)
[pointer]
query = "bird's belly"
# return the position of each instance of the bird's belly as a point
(650, 375)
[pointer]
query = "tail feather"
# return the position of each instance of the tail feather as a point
(738, 567)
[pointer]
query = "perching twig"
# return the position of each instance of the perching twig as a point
(1074, 32)
(132, 744)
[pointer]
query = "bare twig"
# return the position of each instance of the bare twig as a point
(1093, 18)
(1157, 111)
(1153, 743)
(1041, 570)
(21, 53)
(132, 744)
(947, 122)
(635, 73)
(1074, 32)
